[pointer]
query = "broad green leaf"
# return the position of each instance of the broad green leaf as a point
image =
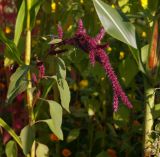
(57, 131)
(18, 82)
(11, 149)
(114, 24)
(12, 52)
(128, 70)
(60, 68)
(27, 136)
(102, 154)
(42, 150)
(19, 22)
(64, 93)
(10, 131)
(56, 115)
(73, 135)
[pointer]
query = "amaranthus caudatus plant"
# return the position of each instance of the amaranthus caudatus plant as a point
(96, 52)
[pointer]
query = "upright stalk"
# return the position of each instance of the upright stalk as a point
(27, 62)
(148, 121)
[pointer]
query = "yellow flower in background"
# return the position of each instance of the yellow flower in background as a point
(53, 7)
(7, 30)
(121, 55)
(69, 28)
(113, 6)
(38, 22)
(109, 49)
(144, 3)
(143, 34)
(83, 84)
(81, 1)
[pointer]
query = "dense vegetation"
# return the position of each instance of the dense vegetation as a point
(79, 78)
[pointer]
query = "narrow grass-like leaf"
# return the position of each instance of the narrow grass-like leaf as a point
(11, 52)
(10, 131)
(19, 22)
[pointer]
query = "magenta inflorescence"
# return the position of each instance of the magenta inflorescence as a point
(96, 52)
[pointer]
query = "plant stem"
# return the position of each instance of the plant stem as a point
(27, 62)
(148, 121)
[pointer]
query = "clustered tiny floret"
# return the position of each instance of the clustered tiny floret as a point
(96, 53)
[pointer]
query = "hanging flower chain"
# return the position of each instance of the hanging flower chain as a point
(96, 53)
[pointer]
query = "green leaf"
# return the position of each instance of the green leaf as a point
(128, 70)
(60, 68)
(114, 24)
(18, 82)
(48, 86)
(102, 154)
(11, 149)
(73, 135)
(12, 52)
(42, 150)
(64, 93)
(56, 115)
(27, 136)
(57, 131)
(144, 54)
(35, 6)
(19, 22)
(10, 131)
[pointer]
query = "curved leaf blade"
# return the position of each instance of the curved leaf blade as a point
(19, 23)
(114, 24)
(10, 131)
(12, 52)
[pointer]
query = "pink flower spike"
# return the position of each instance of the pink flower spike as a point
(100, 35)
(81, 29)
(41, 69)
(92, 57)
(115, 102)
(60, 31)
(113, 78)
(34, 78)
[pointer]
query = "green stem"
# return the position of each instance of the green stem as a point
(27, 62)
(148, 121)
